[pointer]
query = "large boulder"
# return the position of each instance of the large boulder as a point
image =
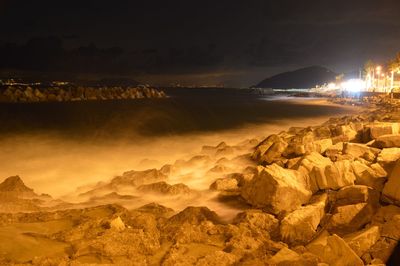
(391, 190)
(278, 190)
(334, 176)
(350, 218)
(357, 194)
(258, 221)
(334, 251)
(375, 130)
(309, 165)
(164, 188)
(300, 226)
(387, 141)
(363, 240)
(345, 133)
(374, 176)
(360, 150)
(388, 157)
(225, 184)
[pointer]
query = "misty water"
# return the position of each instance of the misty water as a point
(57, 147)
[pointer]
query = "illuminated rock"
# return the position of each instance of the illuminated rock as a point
(258, 221)
(276, 189)
(165, 188)
(378, 129)
(374, 176)
(299, 226)
(391, 190)
(311, 166)
(363, 240)
(334, 176)
(388, 141)
(225, 184)
(360, 150)
(334, 251)
(357, 194)
(350, 218)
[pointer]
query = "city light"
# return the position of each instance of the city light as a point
(354, 85)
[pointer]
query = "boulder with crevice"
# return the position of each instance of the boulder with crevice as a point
(277, 190)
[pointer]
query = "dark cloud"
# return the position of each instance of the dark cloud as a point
(193, 37)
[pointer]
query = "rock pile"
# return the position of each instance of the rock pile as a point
(77, 93)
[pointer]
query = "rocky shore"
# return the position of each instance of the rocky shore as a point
(321, 195)
(77, 93)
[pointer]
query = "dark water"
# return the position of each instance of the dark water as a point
(186, 111)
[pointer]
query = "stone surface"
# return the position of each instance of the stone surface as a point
(387, 141)
(334, 176)
(350, 218)
(225, 184)
(258, 221)
(357, 194)
(299, 226)
(374, 176)
(363, 240)
(164, 188)
(334, 251)
(391, 190)
(378, 129)
(276, 189)
(360, 150)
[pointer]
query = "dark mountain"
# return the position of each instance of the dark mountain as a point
(303, 78)
(15, 184)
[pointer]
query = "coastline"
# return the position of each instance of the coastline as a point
(327, 174)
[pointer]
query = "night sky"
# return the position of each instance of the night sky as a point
(236, 43)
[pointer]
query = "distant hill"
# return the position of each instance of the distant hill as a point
(299, 79)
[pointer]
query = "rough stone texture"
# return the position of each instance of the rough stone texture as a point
(276, 189)
(387, 141)
(309, 165)
(350, 218)
(388, 156)
(363, 240)
(374, 176)
(165, 188)
(259, 221)
(334, 251)
(346, 133)
(357, 194)
(225, 184)
(299, 226)
(360, 150)
(322, 145)
(274, 152)
(335, 176)
(391, 190)
(378, 129)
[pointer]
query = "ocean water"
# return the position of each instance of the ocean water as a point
(56, 147)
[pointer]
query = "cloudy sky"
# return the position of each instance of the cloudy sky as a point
(237, 43)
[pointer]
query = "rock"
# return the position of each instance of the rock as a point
(117, 224)
(350, 218)
(165, 188)
(378, 129)
(259, 221)
(383, 249)
(374, 176)
(219, 258)
(137, 178)
(276, 189)
(346, 134)
(13, 186)
(299, 226)
(334, 251)
(263, 147)
(274, 152)
(301, 144)
(225, 184)
(391, 190)
(363, 240)
(322, 145)
(387, 141)
(388, 157)
(309, 165)
(357, 194)
(360, 150)
(334, 176)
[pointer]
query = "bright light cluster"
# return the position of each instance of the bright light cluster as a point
(354, 85)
